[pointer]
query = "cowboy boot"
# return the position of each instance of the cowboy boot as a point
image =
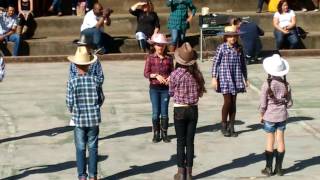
(156, 132)
(278, 167)
(189, 173)
(164, 130)
(231, 129)
(224, 130)
(180, 174)
(269, 159)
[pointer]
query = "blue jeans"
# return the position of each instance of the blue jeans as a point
(88, 4)
(177, 36)
(57, 5)
(17, 43)
(292, 38)
(160, 102)
(86, 136)
(94, 37)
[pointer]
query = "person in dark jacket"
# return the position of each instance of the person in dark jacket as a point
(147, 22)
(250, 39)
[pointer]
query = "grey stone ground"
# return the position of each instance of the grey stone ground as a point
(35, 144)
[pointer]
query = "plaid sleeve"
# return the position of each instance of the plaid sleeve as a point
(192, 8)
(172, 84)
(263, 98)
(70, 96)
(217, 61)
(147, 68)
(99, 72)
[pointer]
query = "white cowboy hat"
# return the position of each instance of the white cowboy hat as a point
(158, 38)
(275, 65)
(82, 57)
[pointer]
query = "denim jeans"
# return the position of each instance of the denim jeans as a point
(88, 4)
(160, 101)
(17, 43)
(177, 36)
(185, 123)
(292, 38)
(95, 38)
(57, 5)
(260, 4)
(86, 136)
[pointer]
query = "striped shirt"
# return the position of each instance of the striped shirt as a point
(183, 87)
(84, 99)
(275, 109)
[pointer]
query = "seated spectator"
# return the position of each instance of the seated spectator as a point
(284, 22)
(25, 8)
(8, 27)
(250, 39)
(147, 20)
(75, 4)
(56, 7)
(93, 27)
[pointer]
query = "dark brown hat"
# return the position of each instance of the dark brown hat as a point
(185, 55)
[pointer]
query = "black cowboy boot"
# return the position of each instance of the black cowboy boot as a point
(180, 175)
(231, 129)
(224, 130)
(164, 130)
(156, 132)
(189, 173)
(278, 167)
(269, 159)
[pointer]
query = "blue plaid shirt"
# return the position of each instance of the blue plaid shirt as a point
(84, 99)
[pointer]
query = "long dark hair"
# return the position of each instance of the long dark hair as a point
(270, 92)
(197, 75)
(279, 7)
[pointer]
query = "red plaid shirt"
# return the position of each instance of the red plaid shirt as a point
(183, 87)
(155, 65)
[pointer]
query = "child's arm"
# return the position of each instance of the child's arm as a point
(70, 97)
(263, 100)
(290, 101)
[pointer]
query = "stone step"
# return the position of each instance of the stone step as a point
(125, 24)
(64, 46)
(141, 56)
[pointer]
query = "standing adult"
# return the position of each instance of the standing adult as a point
(25, 8)
(260, 5)
(157, 69)
(147, 22)
(93, 26)
(179, 20)
(75, 4)
(56, 7)
(8, 27)
(186, 86)
(284, 22)
(229, 77)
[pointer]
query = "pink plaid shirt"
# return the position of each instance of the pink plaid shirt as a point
(183, 87)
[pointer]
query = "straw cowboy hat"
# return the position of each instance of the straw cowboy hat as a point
(275, 65)
(158, 38)
(82, 57)
(230, 31)
(185, 55)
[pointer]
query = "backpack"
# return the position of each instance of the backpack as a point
(2, 69)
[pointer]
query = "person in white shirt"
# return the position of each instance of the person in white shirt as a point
(284, 22)
(8, 27)
(93, 26)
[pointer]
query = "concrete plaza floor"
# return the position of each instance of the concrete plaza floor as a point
(35, 142)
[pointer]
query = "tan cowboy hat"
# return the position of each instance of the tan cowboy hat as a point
(275, 65)
(230, 31)
(185, 55)
(82, 57)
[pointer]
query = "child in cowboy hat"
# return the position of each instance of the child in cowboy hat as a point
(229, 77)
(84, 100)
(274, 102)
(157, 69)
(186, 86)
